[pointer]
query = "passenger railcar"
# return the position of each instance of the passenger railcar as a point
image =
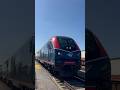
(61, 54)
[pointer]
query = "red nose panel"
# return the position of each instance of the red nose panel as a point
(55, 42)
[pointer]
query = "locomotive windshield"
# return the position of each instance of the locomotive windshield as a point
(67, 44)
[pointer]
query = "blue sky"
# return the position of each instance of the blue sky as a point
(59, 17)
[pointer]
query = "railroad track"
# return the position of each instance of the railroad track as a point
(75, 83)
(81, 79)
(66, 84)
(70, 83)
(69, 87)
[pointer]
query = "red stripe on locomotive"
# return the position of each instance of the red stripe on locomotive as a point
(69, 63)
(55, 42)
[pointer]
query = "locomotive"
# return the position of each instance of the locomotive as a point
(61, 55)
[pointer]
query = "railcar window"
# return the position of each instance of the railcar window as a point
(67, 44)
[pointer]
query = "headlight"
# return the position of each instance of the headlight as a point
(59, 53)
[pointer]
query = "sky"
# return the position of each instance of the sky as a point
(59, 17)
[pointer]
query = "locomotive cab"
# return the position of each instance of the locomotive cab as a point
(67, 55)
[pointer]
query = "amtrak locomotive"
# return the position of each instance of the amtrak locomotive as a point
(61, 55)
